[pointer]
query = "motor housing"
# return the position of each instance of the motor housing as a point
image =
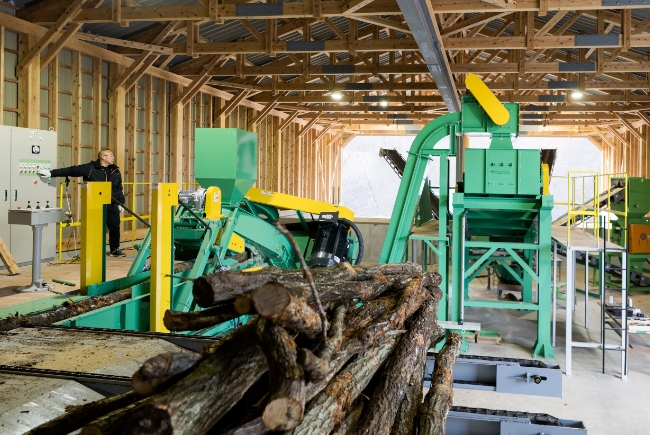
(332, 244)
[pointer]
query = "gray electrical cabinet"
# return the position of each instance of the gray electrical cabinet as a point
(24, 151)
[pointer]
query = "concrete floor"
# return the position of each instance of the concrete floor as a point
(605, 403)
(115, 268)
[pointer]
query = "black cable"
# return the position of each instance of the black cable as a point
(132, 212)
(359, 237)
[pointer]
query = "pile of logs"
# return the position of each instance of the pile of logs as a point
(354, 368)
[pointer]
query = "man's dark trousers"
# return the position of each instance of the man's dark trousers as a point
(113, 225)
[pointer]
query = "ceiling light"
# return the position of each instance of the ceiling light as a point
(383, 103)
(337, 95)
(576, 95)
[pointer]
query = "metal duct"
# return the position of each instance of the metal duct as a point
(421, 20)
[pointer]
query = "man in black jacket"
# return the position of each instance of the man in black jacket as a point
(102, 169)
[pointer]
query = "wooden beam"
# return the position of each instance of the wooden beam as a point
(618, 135)
(230, 106)
(123, 42)
(323, 132)
(287, 122)
(502, 4)
(631, 128)
(384, 22)
(339, 34)
(309, 125)
(266, 110)
(351, 6)
(198, 83)
(49, 36)
(472, 22)
(626, 29)
(143, 59)
(603, 137)
(53, 50)
(254, 33)
(644, 117)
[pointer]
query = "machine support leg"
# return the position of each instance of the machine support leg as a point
(554, 333)
(586, 289)
(570, 286)
(164, 196)
(94, 197)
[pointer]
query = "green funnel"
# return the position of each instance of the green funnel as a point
(226, 158)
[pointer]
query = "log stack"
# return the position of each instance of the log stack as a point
(277, 373)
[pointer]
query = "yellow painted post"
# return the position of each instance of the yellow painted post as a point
(163, 197)
(94, 196)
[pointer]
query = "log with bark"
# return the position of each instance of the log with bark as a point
(389, 393)
(195, 403)
(162, 370)
(438, 401)
(274, 302)
(67, 310)
(182, 321)
(276, 373)
(210, 290)
(329, 408)
(286, 403)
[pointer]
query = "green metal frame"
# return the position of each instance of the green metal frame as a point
(500, 223)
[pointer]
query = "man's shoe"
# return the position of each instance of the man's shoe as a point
(118, 253)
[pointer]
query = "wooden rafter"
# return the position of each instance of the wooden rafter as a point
(309, 125)
(232, 104)
(53, 50)
(71, 11)
(287, 122)
(141, 64)
(631, 128)
(266, 110)
(197, 84)
(351, 6)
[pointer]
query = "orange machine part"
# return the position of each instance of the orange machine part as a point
(639, 239)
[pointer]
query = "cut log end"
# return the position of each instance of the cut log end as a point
(283, 413)
(149, 420)
(243, 304)
(270, 299)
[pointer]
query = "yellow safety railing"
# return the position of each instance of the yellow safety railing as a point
(580, 208)
(129, 218)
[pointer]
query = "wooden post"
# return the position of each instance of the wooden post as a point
(175, 137)
(148, 95)
(76, 127)
(29, 85)
(117, 117)
(97, 105)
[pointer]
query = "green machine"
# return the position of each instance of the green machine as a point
(227, 224)
(500, 215)
(637, 232)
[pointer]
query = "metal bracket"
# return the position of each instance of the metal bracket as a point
(608, 40)
(577, 66)
(463, 420)
(617, 3)
(336, 69)
(551, 98)
(503, 375)
(311, 46)
(559, 84)
(258, 9)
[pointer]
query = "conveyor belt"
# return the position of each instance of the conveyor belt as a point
(104, 384)
(615, 194)
(191, 342)
(396, 162)
(636, 278)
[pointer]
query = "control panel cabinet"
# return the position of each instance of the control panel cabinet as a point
(25, 151)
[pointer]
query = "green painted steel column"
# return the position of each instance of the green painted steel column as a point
(401, 219)
(457, 245)
(543, 347)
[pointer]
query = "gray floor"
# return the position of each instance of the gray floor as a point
(605, 403)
